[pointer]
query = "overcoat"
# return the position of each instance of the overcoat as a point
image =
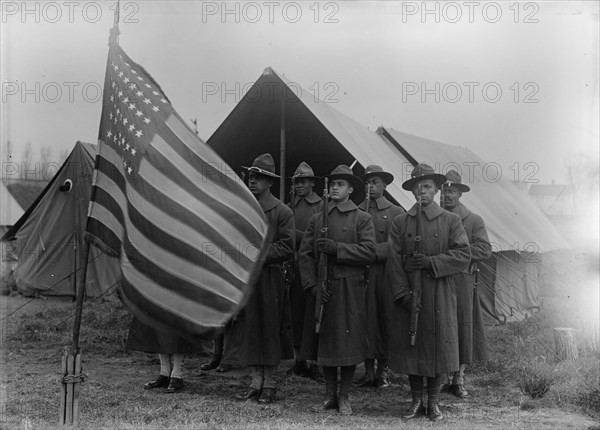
(444, 238)
(303, 209)
(382, 212)
(342, 340)
(471, 330)
(262, 330)
(145, 338)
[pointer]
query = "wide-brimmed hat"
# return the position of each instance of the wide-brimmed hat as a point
(264, 165)
(454, 180)
(374, 170)
(420, 172)
(304, 171)
(344, 172)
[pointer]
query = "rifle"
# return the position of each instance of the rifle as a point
(367, 204)
(442, 197)
(415, 302)
(323, 276)
(289, 265)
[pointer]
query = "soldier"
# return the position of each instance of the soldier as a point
(305, 203)
(444, 252)
(382, 212)
(471, 336)
(171, 347)
(258, 327)
(350, 245)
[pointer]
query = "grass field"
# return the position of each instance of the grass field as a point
(520, 386)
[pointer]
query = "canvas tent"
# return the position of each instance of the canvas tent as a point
(518, 231)
(48, 238)
(276, 109)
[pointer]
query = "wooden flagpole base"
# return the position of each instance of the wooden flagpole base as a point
(70, 385)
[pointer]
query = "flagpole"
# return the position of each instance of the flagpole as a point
(282, 152)
(71, 356)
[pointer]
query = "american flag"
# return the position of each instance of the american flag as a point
(187, 231)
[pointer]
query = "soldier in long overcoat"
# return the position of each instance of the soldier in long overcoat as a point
(471, 331)
(350, 246)
(382, 212)
(444, 253)
(305, 203)
(259, 326)
(171, 347)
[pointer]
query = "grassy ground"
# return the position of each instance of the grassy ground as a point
(521, 362)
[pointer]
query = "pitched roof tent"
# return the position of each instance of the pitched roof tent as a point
(316, 132)
(45, 235)
(324, 137)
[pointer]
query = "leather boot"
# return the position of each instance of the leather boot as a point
(175, 384)
(381, 377)
(458, 385)
(160, 382)
(434, 412)
(213, 364)
(331, 401)
(415, 410)
(345, 406)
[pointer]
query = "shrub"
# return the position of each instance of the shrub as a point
(536, 377)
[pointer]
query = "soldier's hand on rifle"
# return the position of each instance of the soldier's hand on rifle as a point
(327, 246)
(417, 262)
(407, 302)
(313, 290)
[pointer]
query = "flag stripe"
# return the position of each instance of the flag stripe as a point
(171, 255)
(213, 168)
(162, 187)
(109, 212)
(186, 177)
(214, 214)
(105, 235)
(166, 301)
(177, 237)
(209, 290)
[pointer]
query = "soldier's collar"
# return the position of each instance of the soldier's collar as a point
(312, 198)
(347, 206)
(381, 203)
(268, 202)
(432, 211)
(462, 211)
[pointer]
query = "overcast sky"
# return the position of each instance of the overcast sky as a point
(515, 82)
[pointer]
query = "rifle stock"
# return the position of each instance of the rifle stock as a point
(415, 303)
(367, 205)
(323, 275)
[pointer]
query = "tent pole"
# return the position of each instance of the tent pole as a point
(282, 151)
